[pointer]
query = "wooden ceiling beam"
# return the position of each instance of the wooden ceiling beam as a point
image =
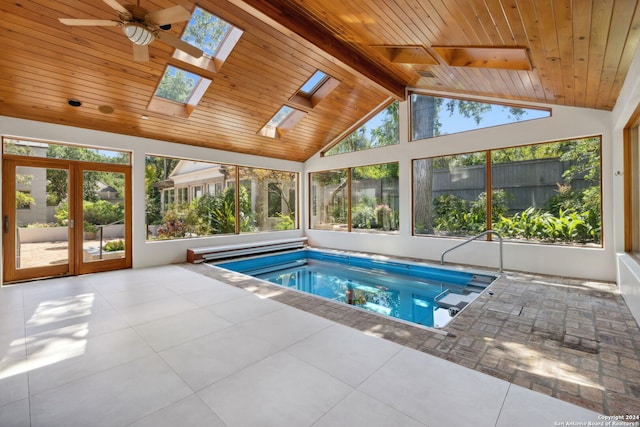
(279, 14)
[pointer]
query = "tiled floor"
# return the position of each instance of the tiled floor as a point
(170, 347)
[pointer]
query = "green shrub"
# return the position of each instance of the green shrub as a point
(114, 245)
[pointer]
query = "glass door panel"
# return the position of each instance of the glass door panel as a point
(41, 215)
(105, 237)
(37, 230)
(103, 216)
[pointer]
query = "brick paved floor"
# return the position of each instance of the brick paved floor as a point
(572, 339)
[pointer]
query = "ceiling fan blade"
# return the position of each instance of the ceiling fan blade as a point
(172, 40)
(140, 53)
(117, 6)
(90, 22)
(169, 16)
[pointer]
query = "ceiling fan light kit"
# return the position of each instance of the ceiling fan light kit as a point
(138, 34)
(141, 27)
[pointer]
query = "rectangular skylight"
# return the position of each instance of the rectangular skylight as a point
(177, 85)
(206, 31)
(314, 82)
(284, 120)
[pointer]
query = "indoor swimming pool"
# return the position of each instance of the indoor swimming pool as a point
(412, 292)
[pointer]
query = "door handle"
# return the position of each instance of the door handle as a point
(6, 223)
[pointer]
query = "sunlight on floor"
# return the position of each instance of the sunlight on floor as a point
(52, 345)
(537, 363)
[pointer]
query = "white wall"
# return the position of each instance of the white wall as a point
(565, 123)
(151, 253)
(628, 268)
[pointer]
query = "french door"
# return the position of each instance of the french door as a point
(64, 217)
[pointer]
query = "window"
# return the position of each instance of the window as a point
(315, 89)
(314, 82)
(214, 36)
(178, 93)
(361, 199)
(379, 131)
(178, 206)
(284, 120)
(545, 193)
(374, 198)
(50, 150)
(330, 200)
(182, 195)
(273, 205)
(449, 195)
(434, 116)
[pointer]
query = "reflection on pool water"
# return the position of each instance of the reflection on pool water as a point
(413, 292)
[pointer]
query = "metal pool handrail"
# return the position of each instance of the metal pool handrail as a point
(471, 239)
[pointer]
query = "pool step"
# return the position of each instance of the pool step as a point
(478, 283)
(447, 299)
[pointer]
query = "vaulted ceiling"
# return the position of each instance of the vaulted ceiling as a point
(566, 52)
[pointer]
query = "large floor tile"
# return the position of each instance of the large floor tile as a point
(154, 310)
(523, 405)
(116, 397)
(61, 356)
(286, 326)
(15, 414)
(89, 322)
(345, 353)
(185, 285)
(171, 331)
(14, 381)
(137, 295)
(360, 410)
(278, 391)
(188, 412)
(214, 294)
(247, 307)
(52, 309)
(202, 361)
(434, 391)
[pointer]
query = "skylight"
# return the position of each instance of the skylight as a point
(213, 35)
(177, 85)
(281, 122)
(178, 93)
(315, 89)
(280, 116)
(206, 31)
(314, 82)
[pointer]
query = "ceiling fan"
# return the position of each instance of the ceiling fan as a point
(141, 27)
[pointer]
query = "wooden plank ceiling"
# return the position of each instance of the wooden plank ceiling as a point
(579, 52)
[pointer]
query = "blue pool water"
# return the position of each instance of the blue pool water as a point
(416, 293)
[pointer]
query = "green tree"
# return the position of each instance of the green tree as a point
(176, 85)
(206, 31)
(381, 130)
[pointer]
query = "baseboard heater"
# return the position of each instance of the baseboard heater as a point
(198, 255)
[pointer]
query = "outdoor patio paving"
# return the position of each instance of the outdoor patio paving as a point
(575, 340)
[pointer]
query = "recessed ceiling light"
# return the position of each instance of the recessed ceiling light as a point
(106, 109)
(74, 102)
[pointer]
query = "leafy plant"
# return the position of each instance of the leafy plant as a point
(114, 245)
